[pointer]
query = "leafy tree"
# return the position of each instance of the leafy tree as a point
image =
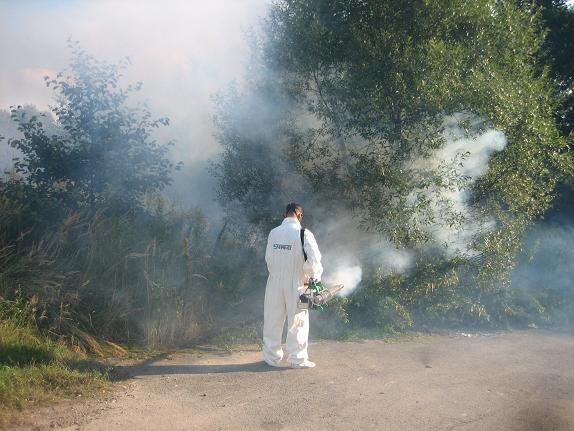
(105, 153)
(386, 76)
(371, 83)
(558, 52)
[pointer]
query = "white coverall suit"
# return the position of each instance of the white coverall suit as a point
(288, 272)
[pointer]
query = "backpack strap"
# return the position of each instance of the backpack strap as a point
(302, 233)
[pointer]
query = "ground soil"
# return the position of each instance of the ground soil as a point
(517, 381)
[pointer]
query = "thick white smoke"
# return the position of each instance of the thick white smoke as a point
(349, 276)
(470, 155)
(347, 270)
(346, 246)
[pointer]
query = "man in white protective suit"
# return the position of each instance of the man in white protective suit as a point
(287, 246)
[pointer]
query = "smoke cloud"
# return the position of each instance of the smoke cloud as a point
(347, 247)
(183, 51)
(187, 51)
(469, 155)
(545, 266)
(350, 277)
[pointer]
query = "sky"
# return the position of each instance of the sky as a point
(182, 51)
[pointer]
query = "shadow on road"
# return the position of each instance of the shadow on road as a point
(153, 370)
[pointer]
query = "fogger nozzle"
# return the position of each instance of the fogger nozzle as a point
(317, 296)
(328, 294)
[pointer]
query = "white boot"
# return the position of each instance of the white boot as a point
(305, 364)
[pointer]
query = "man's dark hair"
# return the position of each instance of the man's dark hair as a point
(293, 209)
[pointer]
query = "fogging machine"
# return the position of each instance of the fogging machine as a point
(316, 296)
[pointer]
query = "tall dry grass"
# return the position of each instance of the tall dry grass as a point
(153, 277)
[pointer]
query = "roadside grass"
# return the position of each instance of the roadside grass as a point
(35, 370)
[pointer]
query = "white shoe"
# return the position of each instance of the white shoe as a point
(305, 364)
(271, 363)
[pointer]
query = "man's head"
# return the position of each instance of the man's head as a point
(294, 210)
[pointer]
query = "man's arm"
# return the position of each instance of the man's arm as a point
(312, 267)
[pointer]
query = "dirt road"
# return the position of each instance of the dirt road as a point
(516, 381)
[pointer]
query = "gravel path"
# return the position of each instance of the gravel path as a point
(517, 381)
